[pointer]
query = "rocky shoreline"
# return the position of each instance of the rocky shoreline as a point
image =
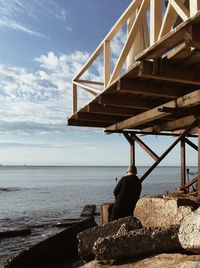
(164, 232)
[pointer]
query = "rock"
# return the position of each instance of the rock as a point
(158, 261)
(88, 211)
(163, 211)
(60, 248)
(189, 232)
(14, 233)
(88, 237)
(140, 242)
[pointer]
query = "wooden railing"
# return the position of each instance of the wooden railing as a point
(163, 16)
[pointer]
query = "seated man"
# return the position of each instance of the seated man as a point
(127, 193)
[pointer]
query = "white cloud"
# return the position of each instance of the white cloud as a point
(13, 13)
(39, 102)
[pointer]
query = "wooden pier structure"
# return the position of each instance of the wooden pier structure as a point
(159, 92)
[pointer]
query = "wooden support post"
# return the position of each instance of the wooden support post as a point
(132, 148)
(74, 99)
(106, 63)
(155, 20)
(194, 7)
(132, 153)
(183, 163)
(199, 160)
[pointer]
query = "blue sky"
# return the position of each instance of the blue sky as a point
(43, 45)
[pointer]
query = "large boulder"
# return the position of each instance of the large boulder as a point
(163, 211)
(158, 261)
(88, 237)
(189, 232)
(140, 242)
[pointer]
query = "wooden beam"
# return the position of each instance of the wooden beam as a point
(166, 152)
(74, 98)
(183, 162)
(87, 88)
(133, 86)
(74, 122)
(112, 110)
(167, 43)
(169, 73)
(90, 82)
(132, 34)
(187, 100)
(125, 102)
(106, 63)
(98, 117)
(172, 125)
(194, 146)
(145, 147)
(168, 20)
(194, 7)
(155, 20)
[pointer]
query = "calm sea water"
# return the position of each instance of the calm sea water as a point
(44, 195)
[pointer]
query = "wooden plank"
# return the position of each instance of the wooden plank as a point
(90, 82)
(170, 40)
(126, 102)
(169, 73)
(191, 144)
(87, 88)
(194, 7)
(106, 63)
(168, 20)
(74, 122)
(148, 88)
(173, 125)
(98, 117)
(74, 98)
(187, 100)
(112, 110)
(155, 20)
(133, 32)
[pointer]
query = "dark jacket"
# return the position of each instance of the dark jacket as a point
(127, 193)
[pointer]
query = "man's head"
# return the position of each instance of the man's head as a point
(132, 170)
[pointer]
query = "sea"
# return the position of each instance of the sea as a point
(42, 197)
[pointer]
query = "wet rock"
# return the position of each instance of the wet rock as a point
(159, 261)
(140, 242)
(14, 233)
(189, 232)
(88, 211)
(60, 248)
(163, 211)
(88, 237)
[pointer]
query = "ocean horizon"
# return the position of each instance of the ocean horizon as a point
(46, 195)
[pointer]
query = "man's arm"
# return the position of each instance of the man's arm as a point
(117, 188)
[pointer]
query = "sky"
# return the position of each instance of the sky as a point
(44, 44)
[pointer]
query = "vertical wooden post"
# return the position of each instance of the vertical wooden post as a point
(106, 63)
(74, 99)
(194, 7)
(132, 153)
(183, 163)
(155, 20)
(199, 160)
